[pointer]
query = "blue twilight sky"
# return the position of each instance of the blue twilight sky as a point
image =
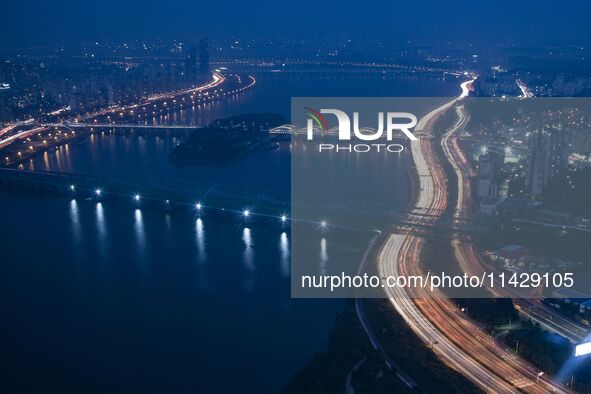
(527, 22)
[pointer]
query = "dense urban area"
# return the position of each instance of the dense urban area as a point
(507, 166)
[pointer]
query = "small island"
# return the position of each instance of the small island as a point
(229, 139)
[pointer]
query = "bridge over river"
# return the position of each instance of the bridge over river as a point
(286, 129)
(158, 192)
(175, 194)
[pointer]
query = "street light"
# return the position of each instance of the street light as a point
(246, 213)
(198, 206)
(283, 218)
(323, 224)
(136, 197)
(98, 191)
(72, 187)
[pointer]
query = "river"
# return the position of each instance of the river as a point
(113, 297)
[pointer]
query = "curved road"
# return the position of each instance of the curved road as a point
(435, 319)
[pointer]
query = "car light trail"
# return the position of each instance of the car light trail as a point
(435, 319)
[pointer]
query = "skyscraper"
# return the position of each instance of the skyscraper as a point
(204, 56)
(5, 110)
(191, 64)
(489, 165)
(548, 157)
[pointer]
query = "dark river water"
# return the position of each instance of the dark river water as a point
(110, 297)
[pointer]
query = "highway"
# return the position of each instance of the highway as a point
(552, 320)
(468, 256)
(470, 259)
(456, 340)
(151, 107)
(217, 80)
(8, 129)
(23, 134)
(525, 92)
(375, 343)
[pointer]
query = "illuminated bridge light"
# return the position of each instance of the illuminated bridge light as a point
(136, 197)
(198, 206)
(246, 213)
(72, 187)
(323, 224)
(98, 191)
(283, 218)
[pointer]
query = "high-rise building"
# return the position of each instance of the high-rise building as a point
(5, 108)
(204, 56)
(548, 157)
(488, 167)
(536, 176)
(191, 64)
(557, 152)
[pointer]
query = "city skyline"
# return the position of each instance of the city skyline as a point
(295, 198)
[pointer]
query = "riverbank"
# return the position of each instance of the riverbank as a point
(158, 295)
(331, 371)
(393, 333)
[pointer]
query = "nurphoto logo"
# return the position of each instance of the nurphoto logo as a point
(397, 124)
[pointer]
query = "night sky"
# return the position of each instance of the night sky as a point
(39, 22)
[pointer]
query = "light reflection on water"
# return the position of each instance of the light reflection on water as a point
(75, 219)
(101, 228)
(168, 231)
(201, 255)
(248, 259)
(323, 256)
(284, 254)
(248, 251)
(140, 234)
